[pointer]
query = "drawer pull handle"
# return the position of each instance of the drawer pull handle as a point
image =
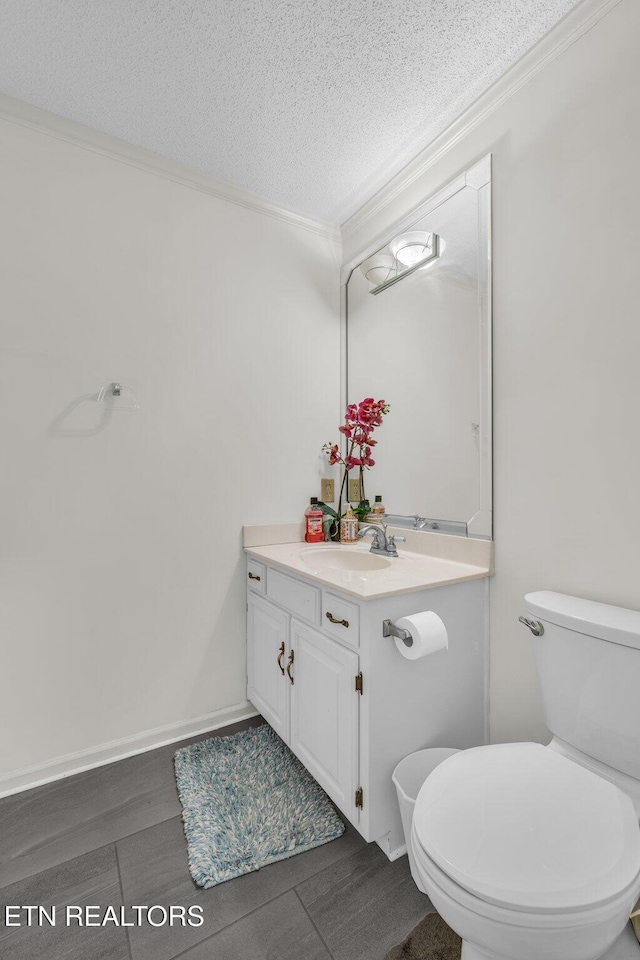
(344, 623)
(289, 665)
(253, 576)
(280, 656)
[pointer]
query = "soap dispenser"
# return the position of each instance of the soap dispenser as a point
(349, 527)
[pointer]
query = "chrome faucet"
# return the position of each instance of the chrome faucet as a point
(382, 544)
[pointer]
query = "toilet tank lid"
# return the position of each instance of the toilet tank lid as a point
(600, 620)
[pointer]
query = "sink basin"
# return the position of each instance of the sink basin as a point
(341, 558)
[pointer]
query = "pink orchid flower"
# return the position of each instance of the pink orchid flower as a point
(360, 420)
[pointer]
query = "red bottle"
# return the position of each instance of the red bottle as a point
(313, 522)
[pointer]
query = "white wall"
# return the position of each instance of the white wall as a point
(566, 227)
(123, 585)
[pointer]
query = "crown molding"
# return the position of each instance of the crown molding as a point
(576, 23)
(52, 125)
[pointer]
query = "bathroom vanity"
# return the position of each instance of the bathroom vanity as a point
(338, 692)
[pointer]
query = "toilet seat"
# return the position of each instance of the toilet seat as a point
(519, 826)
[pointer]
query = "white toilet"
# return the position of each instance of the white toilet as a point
(532, 852)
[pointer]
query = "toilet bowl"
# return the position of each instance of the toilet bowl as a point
(525, 854)
(490, 932)
(532, 852)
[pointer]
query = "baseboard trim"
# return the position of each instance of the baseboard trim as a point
(66, 766)
(391, 853)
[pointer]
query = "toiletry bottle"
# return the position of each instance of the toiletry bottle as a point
(377, 511)
(313, 522)
(349, 527)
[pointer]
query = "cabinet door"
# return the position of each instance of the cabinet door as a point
(324, 713)
(267, 652)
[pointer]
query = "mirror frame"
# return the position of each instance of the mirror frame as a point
(478, 178)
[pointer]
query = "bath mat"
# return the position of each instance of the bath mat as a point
(247, 802)
(432, 939)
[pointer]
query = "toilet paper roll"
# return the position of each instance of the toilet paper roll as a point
(428, 634)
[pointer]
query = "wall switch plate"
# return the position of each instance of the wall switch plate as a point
(354, 491)
(327, 490)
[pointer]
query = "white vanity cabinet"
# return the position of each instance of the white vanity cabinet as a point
(304, 685)
(324, 712)
(267, 650)
(344, 699)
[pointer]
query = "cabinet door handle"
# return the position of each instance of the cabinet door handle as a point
(344, 623)
(280, 656)
(253, 576)
(289, 665)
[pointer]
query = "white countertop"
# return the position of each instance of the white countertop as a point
(410, 571)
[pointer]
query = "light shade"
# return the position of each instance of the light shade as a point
(379, 268)
(410, 248)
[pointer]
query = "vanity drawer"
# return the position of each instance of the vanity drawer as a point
(341, 619)
(301, 599)
(256, 576)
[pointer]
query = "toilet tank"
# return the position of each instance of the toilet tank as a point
(588, 662)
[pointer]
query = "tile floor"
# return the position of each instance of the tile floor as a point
(114, 836)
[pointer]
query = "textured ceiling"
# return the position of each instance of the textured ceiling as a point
(312, 103)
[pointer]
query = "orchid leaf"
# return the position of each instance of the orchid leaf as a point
(327, 509)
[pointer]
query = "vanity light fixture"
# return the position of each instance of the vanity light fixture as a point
(379, 268)
(410, 252)
(409, 248)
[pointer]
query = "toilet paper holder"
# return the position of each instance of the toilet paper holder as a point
(389, 629)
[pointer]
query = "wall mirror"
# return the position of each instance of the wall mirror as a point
(417, 333)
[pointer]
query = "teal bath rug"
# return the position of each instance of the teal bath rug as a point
(247, 802)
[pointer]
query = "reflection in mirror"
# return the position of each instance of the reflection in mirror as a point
(422, 342)
(405, 254)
